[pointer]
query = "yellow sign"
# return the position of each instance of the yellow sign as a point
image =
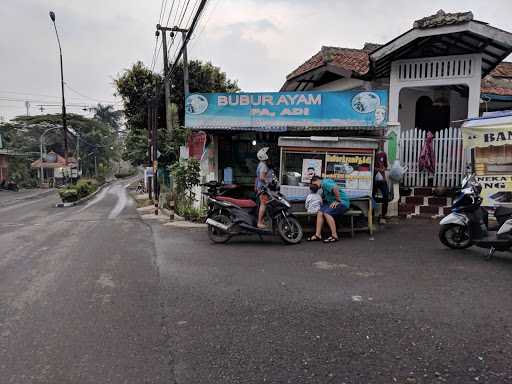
(496, 190)
(480, 137)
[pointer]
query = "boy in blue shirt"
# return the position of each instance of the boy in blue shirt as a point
(335, 203)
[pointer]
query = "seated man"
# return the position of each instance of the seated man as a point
(335, 203)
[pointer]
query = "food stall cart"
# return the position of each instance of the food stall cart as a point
(347, 160)
(490, 140)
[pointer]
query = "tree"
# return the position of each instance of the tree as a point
(137, 86)
(203, 77)
(97, 139)
(107, 115)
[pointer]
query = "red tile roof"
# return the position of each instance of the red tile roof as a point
(499, 81)
(355, 60)
(504, 69)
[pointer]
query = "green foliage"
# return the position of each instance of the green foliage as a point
(21, 173)
(98, 139)
(125, 175)
(186, 176)
(137, 86)
(203, 77)
(108, 116)
(85, 187)
(68, 195)
(190, 213)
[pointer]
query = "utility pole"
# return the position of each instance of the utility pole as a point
(154, 141)
(185, 64)
(167, 80)
(77, 154)
(150, 163)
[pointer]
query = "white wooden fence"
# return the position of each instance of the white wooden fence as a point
(449, 155)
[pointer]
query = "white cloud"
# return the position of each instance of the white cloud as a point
(255, 41)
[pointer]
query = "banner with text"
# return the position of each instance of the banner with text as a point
(496, 190)
(277, 111)
(486, 136)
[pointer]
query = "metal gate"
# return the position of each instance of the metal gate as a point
(449, 154)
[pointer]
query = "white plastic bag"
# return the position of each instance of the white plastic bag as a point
(396, 172)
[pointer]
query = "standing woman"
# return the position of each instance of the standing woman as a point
(379, 179)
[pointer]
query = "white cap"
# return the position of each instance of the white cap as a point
(262, 154)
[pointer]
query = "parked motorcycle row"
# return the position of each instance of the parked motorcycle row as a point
(8, 186)
(468, 224)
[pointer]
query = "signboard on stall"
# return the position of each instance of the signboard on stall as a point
(496, 190)
(278, 111)
(353, 172)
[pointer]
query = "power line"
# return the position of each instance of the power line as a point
(163, 6)
(90, 98)
(170, 12)
(154, 53)
(189, 34)
(206, 20)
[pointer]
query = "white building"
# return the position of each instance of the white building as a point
(448, 67)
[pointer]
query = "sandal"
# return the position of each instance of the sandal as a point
(331, 239)
(314, 238)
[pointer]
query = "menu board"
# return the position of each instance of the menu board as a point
(352, 171)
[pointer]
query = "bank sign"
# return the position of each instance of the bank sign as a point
(278, 111)
(486, 136)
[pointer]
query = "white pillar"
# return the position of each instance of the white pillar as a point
(474, 85)
(394, 102)
(394, 95)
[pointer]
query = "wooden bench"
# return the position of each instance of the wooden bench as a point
(349, 213)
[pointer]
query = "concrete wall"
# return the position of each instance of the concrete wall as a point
(409, 97)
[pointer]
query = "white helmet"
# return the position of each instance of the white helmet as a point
(262, 154)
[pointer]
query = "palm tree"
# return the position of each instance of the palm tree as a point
(107, 115)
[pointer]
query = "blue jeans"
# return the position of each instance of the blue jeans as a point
(334, 212)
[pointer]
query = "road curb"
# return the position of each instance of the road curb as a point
(83, 199)
(33, 197)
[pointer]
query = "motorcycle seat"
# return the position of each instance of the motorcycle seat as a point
(242, 203)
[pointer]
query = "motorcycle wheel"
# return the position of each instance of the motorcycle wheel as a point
(217, 235)
(455, 236)
(290, 230)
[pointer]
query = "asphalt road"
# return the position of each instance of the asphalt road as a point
(94, 294)
(79, 294)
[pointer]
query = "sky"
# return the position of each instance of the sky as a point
(257, 42)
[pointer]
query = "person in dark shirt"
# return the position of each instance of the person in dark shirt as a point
(379, 178)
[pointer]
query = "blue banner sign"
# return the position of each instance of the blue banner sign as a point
(282, 110)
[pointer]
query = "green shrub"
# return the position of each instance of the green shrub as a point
(125, 174)
(68, 195)
(190, 213)
(85, 187)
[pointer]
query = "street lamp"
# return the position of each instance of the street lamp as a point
(64, 123)
(41, 151)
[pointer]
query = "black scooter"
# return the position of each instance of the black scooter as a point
(228, 216)
(468, 224)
